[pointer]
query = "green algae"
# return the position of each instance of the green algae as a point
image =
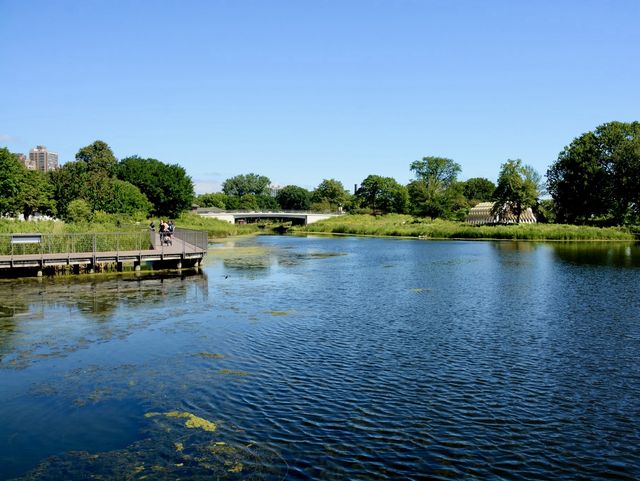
(192, 421)
(209, 355)
(278, 313)
(421, 290)
(233, 372)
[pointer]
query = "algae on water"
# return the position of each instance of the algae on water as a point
(192, 421)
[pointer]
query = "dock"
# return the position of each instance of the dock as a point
(38, 253)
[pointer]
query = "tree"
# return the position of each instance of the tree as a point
(166, 186)
(246, 184)
(383, 194)
(78, 210)
(36, 194)
(215, 199)
(69, 183)
(598, 174)
(330, 193)
(517, 189)
(431, 193)
(98, 157)
(478, 189)
(293, 197)
(11, 176)
(438, 173)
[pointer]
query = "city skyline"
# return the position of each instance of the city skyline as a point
(303, 92)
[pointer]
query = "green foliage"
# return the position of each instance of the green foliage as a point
(246, 184)
(408, 226)
(11, 176)
(438, 173)
(598, 175)
(383, 194)
(36, 194)
(98, 158)
(293, 197)
(79, 211)
(435, 192)
(166, 186)
(478, 189)
(330, 195)
(126, 198)
(68, 184)
(517, 189)
(216, 199)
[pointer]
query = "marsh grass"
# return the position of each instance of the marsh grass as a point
(408, 226)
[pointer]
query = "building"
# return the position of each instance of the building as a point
(481, 214)
(24, 160)
(43, 160)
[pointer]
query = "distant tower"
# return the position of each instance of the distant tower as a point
(43, 159)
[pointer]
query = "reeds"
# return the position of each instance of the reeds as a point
(408, 226)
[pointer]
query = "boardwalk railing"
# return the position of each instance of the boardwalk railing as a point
(21, 244)
(196, 238)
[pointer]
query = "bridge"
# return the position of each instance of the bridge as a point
(40, 252)
(234, 217)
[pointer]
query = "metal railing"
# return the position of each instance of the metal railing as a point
(15, 244)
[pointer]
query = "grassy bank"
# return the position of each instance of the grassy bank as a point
(115, 223)
(408, 226)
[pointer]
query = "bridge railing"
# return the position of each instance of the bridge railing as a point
(40, 244)
(192, 240)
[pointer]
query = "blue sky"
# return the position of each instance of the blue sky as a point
(301, 91)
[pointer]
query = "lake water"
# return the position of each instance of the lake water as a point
(330, 358)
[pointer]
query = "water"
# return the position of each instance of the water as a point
(330, 358)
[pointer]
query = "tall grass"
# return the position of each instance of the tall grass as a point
(408, 226)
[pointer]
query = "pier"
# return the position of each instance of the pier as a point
(39, 252)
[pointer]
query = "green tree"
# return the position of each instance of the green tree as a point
(330, 194)
(98, 158)
(78, 210)
(126, 198)
(166, 186)
(36, 194)
(432, 194)
(246, 184)
(517, 189)
(293, 197)
(11, 177)
(69, 183)
(478, 189)
(383, 194)
(215, 199)
(598, 175)
(438, 173)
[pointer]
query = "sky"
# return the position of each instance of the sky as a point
(302, 91)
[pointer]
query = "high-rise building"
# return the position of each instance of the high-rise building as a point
(26, 162)
(43, 159)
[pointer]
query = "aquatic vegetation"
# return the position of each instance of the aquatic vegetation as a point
(232, 372)
(278, 313)
(420, 290)
(398, 225)
(192, 421)
(210, 355)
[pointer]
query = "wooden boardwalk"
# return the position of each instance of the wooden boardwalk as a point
(186, 249)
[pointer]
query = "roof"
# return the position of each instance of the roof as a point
(481, 214)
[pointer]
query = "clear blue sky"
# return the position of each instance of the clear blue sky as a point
(303, 90)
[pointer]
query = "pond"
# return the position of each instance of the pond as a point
(330, 358)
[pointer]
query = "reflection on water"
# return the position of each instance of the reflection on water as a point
(614, 254)
(331, 358)
(50, 317)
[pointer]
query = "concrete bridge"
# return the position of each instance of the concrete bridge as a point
(235, 217)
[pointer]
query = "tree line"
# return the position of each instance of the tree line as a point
(95, 182)
(595, 180)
